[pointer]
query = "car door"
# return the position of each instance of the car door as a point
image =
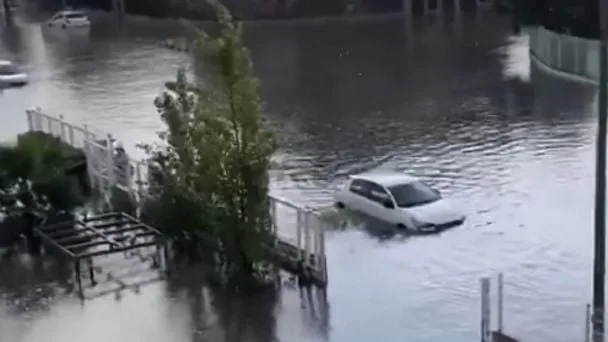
(359, 193)
(378, 196)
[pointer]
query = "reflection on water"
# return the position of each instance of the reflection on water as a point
(455, 104)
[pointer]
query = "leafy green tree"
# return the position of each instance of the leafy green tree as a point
(214, 159)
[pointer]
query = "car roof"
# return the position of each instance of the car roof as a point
(67, 12)
(5, 62)
(386, 178)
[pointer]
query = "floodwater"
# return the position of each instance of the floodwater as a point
(454, 101)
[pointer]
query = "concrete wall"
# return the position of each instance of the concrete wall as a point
(571, 55)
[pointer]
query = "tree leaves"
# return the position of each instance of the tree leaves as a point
(215, 156)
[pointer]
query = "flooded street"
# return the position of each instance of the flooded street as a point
(456, 103)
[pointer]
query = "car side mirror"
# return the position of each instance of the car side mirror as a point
(389, 204)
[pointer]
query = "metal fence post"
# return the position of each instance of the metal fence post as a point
(273, 221)
(485, 310)
(49, 124)
(588, 323)
(500, 301)
(62, 128)
(306, 228)
(71, 135)
(559, 53)
(324, 257)
(30, 120)
(299, 222)
(107, 167)
(89, 156)
(38, 121)
(140, 184)
(110, 167)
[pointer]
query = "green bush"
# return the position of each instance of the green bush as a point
(36, 171)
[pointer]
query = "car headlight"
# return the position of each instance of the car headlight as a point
(423, 226)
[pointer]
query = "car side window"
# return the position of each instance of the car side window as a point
(74, 16)
(359, 187)
(378, 194)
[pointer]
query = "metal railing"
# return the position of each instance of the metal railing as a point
(498, 335)
(99, 152)
(298, 226)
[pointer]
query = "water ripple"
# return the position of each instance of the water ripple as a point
(515, 151)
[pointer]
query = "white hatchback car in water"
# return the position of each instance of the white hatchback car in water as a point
(399, 199)
(11, 76)
(69, 19)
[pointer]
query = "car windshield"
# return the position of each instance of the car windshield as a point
(413, 194)
(8, 69)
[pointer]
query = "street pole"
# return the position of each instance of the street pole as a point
(599, 259)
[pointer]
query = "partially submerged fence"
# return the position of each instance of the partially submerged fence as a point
(488, 334)
(298, 230)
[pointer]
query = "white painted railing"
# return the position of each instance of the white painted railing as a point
(301, 227)
(569, 54)
(99, 152)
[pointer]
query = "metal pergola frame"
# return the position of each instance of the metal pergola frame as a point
(106, 232)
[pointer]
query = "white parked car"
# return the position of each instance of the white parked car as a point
(11, 76)
(399, 199)
(69, 20)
